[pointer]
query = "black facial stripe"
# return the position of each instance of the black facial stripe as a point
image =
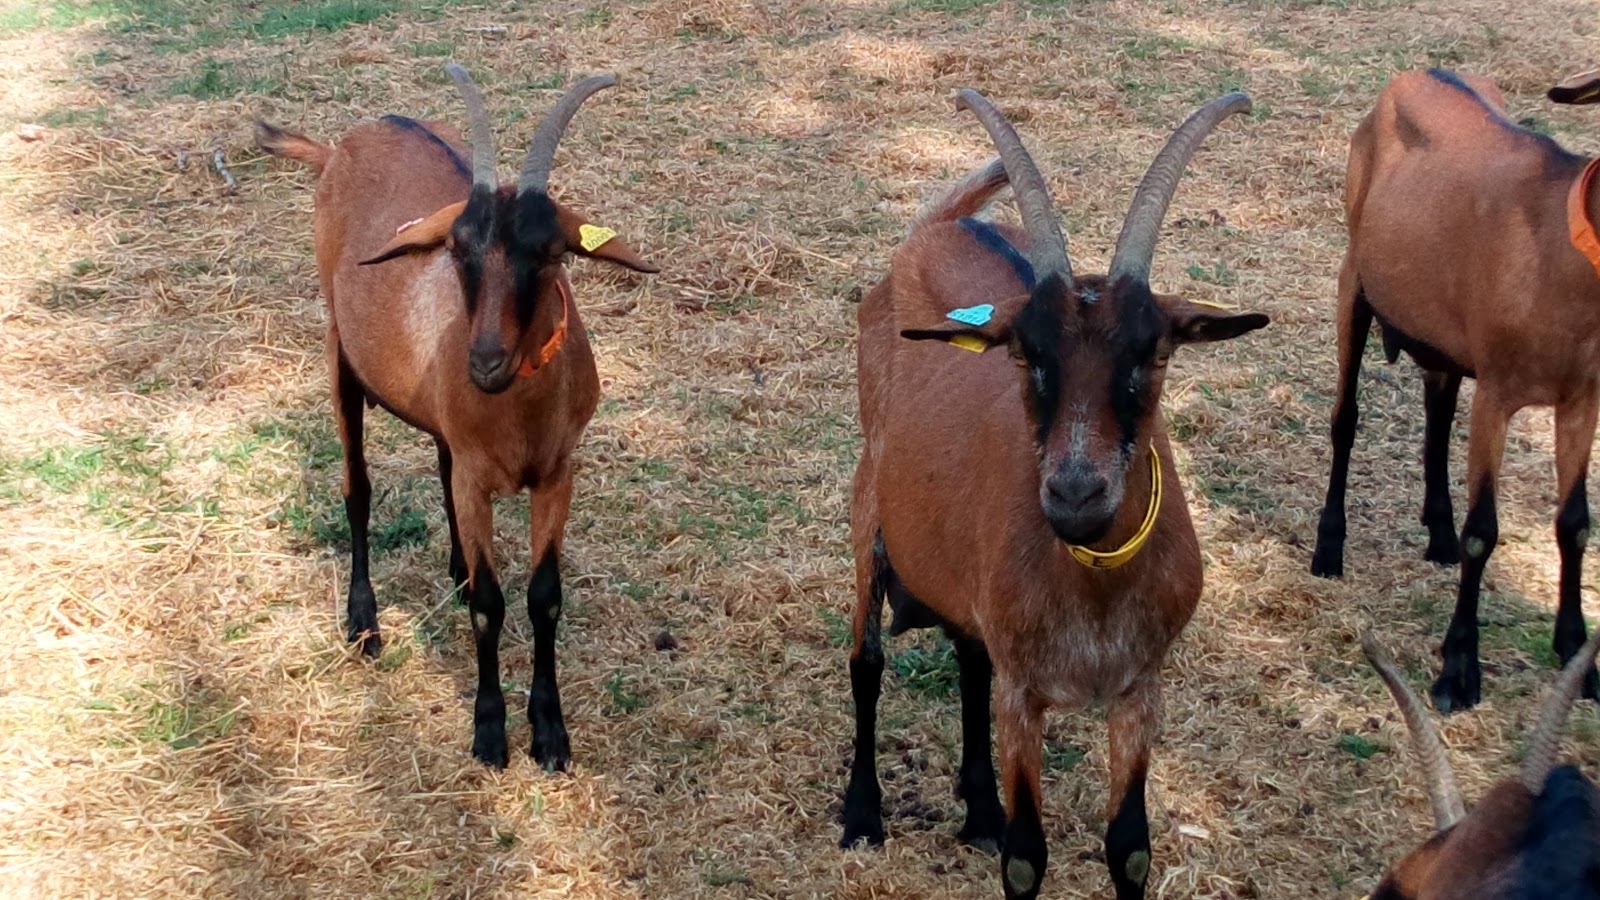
(470, 235)
(1138, 333)
(1038, 331)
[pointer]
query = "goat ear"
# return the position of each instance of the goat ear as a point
(976, 340)
(1191, 322)
(595, 242)
(424, 234)
(1583, 87)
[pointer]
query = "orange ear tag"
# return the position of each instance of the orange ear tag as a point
(969, 342)
(591, 237)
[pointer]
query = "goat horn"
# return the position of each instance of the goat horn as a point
(1047, 248)
(1136, 244)
(1442, 790)
(542, 152)
(1546, 740)
(483, 174)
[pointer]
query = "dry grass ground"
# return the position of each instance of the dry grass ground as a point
(178, 713)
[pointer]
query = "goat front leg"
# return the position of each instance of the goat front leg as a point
(863, 798)
(548, 505)
(1460, 683)
(1575, 423)
(986, 819)
(1132, 722)
(1019, 724)
(349, 408)
(1354, 323)
(1440, 392)
(475, 520)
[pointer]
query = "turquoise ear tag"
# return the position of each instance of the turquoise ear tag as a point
(975, 316)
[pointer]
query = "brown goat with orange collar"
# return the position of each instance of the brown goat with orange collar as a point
(1537, 836)
(449, 306)
(1461, 246)
(1014, 496)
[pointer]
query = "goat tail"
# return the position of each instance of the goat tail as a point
(289, 145)
(966, 197)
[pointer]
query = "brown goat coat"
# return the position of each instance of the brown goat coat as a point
(952, 467)
(1475, 858)
(1459, 241)
(423, 379)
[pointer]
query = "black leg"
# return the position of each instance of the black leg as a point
(550, 744)
(1025, 856)
(863, 799)
(361, 610)
(488, 607)
(1128, 843)
(1440, 391)
(458, 559)
(1572, 536)
(1460, 683)
(1355, 321)
(986, 819)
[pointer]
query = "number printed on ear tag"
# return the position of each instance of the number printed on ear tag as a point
(590, 237)
(976, 316)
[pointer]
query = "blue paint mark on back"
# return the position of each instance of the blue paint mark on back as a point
(413, 125)
(1445, 76)
(990, 237)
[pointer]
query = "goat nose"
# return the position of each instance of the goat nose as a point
(486, 362)
(1077, 490)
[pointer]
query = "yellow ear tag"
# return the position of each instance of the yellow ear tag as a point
(590, 237)
(1215, 305)
(969, 342)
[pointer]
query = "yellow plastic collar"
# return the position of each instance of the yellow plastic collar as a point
(1111, 559)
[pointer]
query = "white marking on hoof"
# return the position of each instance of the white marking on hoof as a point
(1020, 875)
(1137, 868)
(480, 621)
(1473, 546)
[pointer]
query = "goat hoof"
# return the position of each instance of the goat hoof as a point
(370, 642)
(552, 750)
(854, 834)
(1445, 553)
(1327, 563)
(1457, 690)
(984, 831)
(489, 745)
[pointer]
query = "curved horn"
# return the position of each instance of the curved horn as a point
(1546, 740)
(483, 174)
(1442, 790)
(1136, 244)
(542, 151)
(1047, 248)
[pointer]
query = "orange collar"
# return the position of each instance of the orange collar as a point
(558, 337)
(1578, 224)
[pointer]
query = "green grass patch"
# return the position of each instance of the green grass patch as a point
(1219, 273)
(840, 632)
(930, 671)
(1358, 746)
(622, 696)
(190, 720)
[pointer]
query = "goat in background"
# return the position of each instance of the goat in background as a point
(1536, 837)
(1460, 249)
(449, 306)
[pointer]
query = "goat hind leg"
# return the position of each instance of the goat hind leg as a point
(1354, 323)
(986, 819)
(863, 798)
(349, 406)
(458, 559)
(1440, 391)
(1575, 424)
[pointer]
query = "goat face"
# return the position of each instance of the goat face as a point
(1092, 359)
(508, 244)
(507, 250)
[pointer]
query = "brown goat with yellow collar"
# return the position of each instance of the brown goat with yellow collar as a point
(1014, 496)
